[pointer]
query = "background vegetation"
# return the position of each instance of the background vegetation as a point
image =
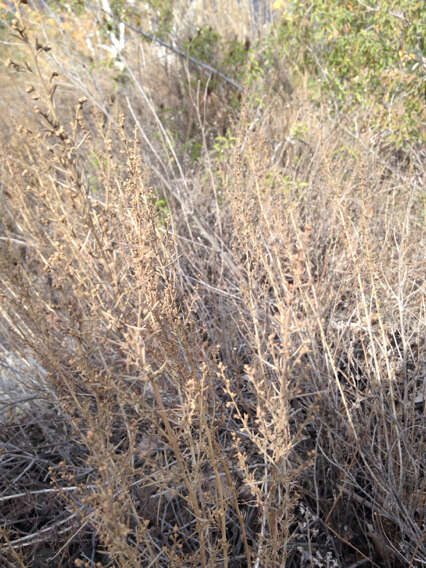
(211, 302)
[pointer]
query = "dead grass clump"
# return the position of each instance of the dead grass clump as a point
(231, 347)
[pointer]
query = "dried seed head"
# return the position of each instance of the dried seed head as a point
(41, 47)
(10, 63)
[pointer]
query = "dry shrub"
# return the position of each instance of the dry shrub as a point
(232, 380)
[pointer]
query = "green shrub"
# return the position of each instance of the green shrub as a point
(360, 54)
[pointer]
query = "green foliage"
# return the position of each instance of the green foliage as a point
(235, 57)
(194, 149)
(6, 17)
(256, 68)
(299, 129)
(230, 56)
(223, 144)
(368, 54)
(204, 45)
(162, 209)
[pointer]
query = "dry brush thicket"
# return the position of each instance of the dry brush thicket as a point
(232, 379)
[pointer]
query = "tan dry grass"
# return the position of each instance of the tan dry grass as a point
(236, 381)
